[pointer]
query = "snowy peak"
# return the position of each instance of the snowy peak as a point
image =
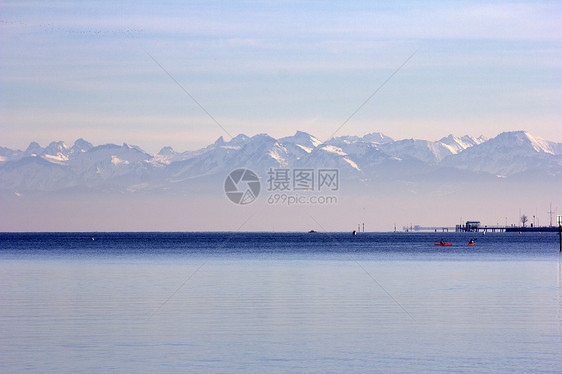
(333, 149)
(306, 139)
(238, 141)
(456, 145)
(56, 152)
(108, 156)
(329, 156)
(428, 151)
(377, 138)
(279, 155)
(522, 139)
(541, 145)
(342, 141)
(474, 141)
(423, 150)
(56, 148)
(301, 139)
(258, 145)
(134, 147)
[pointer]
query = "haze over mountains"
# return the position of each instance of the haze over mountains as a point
(382, 181)
(371, 159)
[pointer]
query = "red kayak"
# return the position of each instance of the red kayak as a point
(443, 244)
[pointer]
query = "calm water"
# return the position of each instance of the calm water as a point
(273, 303)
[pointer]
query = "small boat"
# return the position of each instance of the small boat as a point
(442, 243)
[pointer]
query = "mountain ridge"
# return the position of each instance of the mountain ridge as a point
(370, 159)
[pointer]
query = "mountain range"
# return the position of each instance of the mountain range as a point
(371, 160)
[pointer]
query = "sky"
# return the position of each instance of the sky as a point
(130, 71)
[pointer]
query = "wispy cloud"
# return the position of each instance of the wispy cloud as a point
(268, 66)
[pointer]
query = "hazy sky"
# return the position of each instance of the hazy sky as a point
(82, 69)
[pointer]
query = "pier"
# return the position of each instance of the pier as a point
(427, 228)
(475, 226)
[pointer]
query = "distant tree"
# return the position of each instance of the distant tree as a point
(524, 219)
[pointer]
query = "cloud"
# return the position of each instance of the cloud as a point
(272, 66)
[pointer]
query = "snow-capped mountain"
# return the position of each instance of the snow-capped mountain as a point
(362, 161)
(456, 145)
(59, 167)
(377, 138)
(299, 144)
(431, 152)
(508, 154)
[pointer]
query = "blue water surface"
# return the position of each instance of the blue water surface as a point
(280, 303)
(256, 245)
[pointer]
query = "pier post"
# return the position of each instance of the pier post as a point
(559, 221)
(560, 236)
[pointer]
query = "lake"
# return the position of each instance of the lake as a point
(280, 303)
